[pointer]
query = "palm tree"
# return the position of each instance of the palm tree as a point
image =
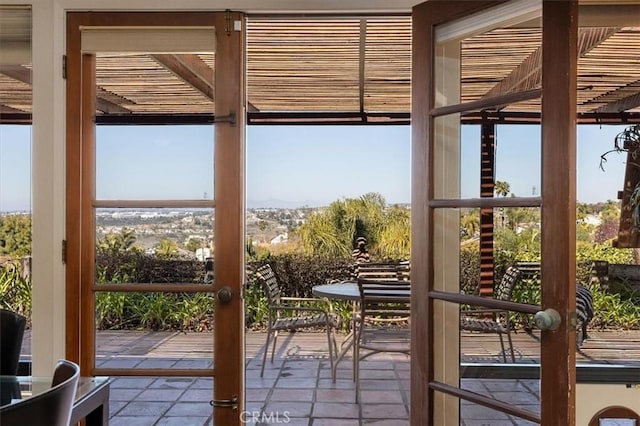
(502, 188)
(333, 231)
(167, 249)
(319, 235)
(395, 237)
(119, 243)
(470, 223)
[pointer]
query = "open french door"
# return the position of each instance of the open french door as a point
(205, 50)
(438, 107)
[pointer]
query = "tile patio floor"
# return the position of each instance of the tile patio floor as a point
(297, 388)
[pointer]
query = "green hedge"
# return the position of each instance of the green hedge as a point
(297, 274)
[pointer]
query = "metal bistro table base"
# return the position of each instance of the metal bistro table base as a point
(342, 291)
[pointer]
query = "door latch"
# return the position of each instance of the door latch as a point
(225, 403)
(224, 295)
(549, 319)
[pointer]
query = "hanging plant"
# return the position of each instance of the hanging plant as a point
(629, 141)
(626, 141)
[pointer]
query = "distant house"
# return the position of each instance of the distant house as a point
(203, 253)
(279, 239)
(591, 219)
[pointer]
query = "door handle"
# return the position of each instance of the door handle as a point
(224, 295)
(549, 319)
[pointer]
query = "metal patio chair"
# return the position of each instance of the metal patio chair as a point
(288, 314)
(494, 320)
(383, 324)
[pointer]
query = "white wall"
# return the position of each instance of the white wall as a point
(591, 398)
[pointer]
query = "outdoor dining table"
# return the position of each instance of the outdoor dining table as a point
(347, 291)
(338, 291)
(342, 291)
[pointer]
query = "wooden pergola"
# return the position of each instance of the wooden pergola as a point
(344, 69)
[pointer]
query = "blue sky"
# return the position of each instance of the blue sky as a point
(303, 165)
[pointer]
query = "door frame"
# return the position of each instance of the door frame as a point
(559, 70)
(229, 197)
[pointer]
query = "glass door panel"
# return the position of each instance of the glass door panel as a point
(154, 216)
(485, 220)
(156, 247)
(483, 175)
(162, 162)
(605, 43)
(16, 171)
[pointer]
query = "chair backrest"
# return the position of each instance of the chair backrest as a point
(383, 271)
(11, 334)
(269, 284)
(404, 270)
(50, 408)
(504, 289)
(384, 300)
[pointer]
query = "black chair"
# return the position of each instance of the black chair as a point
(50, 408)
(9, 389)
(11, 333)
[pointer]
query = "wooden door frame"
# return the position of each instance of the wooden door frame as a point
(558, 251)
(558, 211)
(229, 197)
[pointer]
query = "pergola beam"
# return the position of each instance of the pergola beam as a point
(528, 75)
(623, 104)
(106, 106)
(17, 72)
(191, 69)
(23, 74)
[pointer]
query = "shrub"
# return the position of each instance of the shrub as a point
(298, 273)
(15, 290)
(616, 310)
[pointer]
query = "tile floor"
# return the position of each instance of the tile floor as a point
(296, 388)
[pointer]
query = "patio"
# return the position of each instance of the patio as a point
(297, 388)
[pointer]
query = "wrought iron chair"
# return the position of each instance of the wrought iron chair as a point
(50, 408)
(287, 314)
(383, 324)
(493, 320)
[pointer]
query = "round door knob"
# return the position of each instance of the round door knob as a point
(549, 319)
(224, 295)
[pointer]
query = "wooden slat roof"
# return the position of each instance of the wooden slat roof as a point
(350, 68)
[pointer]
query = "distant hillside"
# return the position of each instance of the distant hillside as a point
(281, 204)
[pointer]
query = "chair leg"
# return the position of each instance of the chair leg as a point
(331, 356)
(504, 355)
(266, 349)
(335, 354)
(356, 360)
(273, 344)
(513, 355)
(355, 326)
